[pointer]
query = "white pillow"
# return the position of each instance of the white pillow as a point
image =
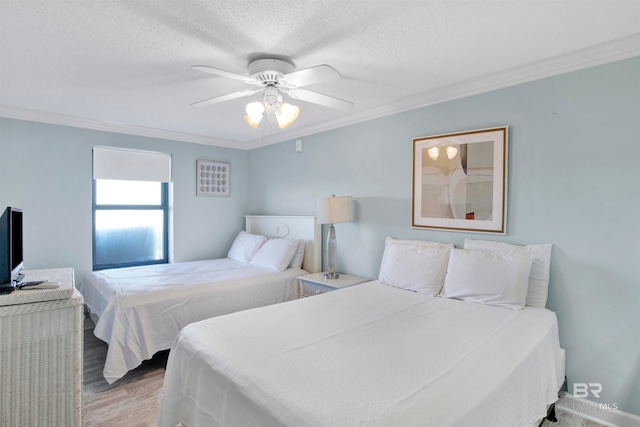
(275, 254)
(298, 257)
(539, 275)
(492, 278)
(415, 265)
(245, 246)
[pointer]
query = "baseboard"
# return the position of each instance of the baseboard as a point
(605, 414)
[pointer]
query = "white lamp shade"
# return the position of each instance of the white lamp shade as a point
(333, 210)
(286, 115)
(255, 111)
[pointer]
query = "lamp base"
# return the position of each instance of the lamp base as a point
(331, 276)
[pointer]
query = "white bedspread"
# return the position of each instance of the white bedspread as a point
(142, 309)
(366, 355)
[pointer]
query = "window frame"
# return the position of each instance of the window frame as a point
(164, 207)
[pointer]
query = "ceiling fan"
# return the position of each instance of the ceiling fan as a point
(276, 76)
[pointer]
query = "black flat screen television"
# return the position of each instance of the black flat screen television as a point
(11, 249)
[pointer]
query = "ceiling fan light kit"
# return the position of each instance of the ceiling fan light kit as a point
(255, 111)
(275, 76)
(287, 115)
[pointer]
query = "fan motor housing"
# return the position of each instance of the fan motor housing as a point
(269, 71)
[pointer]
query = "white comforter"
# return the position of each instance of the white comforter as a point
(142, 309)
(366, 355)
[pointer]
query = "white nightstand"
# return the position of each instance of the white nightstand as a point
(315, 284)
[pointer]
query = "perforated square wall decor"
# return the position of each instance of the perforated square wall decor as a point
(212, 178)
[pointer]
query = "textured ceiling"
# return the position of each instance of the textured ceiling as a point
(125, 65)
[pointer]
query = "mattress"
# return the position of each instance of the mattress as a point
(368, 355)
(141, 309)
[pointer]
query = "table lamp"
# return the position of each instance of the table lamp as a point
(333, 210)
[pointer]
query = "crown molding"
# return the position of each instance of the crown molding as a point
(592, 56)
(107, 126)
(600, 54)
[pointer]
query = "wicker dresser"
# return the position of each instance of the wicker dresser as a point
(41, 353)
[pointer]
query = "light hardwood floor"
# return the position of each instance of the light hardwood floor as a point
(133, 401)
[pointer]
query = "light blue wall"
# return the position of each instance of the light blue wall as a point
(574, 181)
(46, 171)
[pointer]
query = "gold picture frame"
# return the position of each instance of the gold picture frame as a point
(460, 181)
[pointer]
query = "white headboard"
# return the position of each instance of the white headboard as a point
(291, 227)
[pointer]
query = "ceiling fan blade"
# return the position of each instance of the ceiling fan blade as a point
(309, 76)
(223, 73)
(223, 98)
(320, 99)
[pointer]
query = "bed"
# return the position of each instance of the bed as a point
(139, 310)
(411, 348)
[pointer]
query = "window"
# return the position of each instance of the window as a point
(130, 216)
(130, 224)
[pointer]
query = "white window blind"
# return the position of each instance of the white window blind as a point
(131, 165)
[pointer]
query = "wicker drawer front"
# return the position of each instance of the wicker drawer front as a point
(308, 289)
(41, 369)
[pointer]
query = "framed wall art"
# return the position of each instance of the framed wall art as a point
(460, 181)
(212, 178)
